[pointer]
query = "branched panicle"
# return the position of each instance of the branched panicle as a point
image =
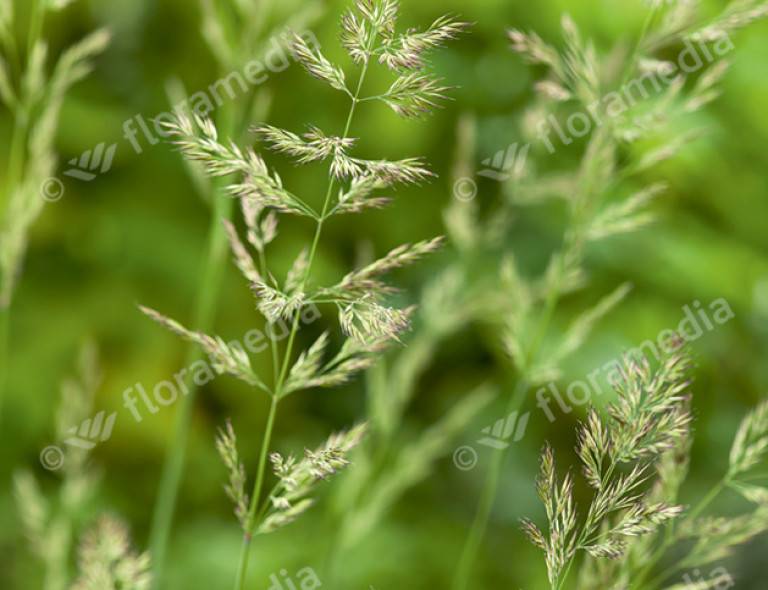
(367, 322)
(649, 428)
(637, 432)
(368, 29)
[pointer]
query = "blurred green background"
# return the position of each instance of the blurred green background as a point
(138, 234)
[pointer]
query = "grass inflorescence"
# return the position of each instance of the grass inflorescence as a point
(366, 319)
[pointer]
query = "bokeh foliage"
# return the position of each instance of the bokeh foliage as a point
(137, 234)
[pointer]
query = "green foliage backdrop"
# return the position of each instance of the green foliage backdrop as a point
(138, 234)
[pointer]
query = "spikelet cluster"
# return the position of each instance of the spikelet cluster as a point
(297, 478)
(629, 520)
(649, 417)
(107, 560)
(697, 540)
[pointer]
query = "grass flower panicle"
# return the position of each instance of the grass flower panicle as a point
(606, 195)
(365, 317)
(635, 460)
(238, 34)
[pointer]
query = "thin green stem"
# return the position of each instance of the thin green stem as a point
(245, 552)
